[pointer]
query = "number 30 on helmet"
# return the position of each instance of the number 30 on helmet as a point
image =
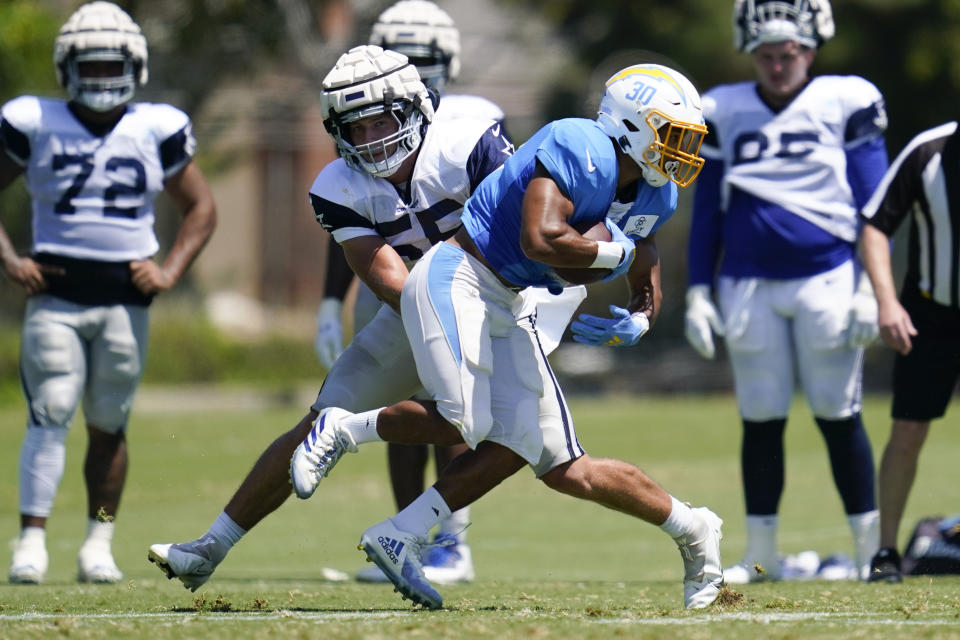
(654, 114)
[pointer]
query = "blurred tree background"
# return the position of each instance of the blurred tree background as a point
(198, 46)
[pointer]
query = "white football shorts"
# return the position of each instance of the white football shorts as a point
(378, 368)
(71, 352)
(774, 327)
(485, 368)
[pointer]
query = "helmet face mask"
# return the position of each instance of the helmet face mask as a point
(366, 82)
(96, 36)
(807, 22)
(655, 116)
(99, 92)
(382, 156)
(426, 34)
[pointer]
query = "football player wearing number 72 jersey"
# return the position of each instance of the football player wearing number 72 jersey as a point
(93, 166)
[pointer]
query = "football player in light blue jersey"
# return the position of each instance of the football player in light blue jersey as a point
(93, 166)
(561, 148)
(484, 365)
(790, 160)
(427, 35)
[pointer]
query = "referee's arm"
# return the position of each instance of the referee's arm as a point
(894, 322)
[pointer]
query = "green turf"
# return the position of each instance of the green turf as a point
(547, 565)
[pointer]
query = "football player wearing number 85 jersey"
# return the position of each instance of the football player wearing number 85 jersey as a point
(93, 165)
(789, 162)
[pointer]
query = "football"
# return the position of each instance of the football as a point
(582, 275)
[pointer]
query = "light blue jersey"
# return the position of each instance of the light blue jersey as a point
(582, 160)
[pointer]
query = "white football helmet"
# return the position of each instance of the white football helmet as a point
(100, 31)
(425, 33)
(655, 116)
(807, 22)
(367, 81)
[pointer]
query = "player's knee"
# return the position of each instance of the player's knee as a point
(763, 399)
(107, 414)
(830, 401)
(571, 478)
(55, 402)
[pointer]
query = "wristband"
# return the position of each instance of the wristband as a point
(609, 255)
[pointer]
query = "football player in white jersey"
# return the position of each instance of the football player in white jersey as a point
(427, 35)
(93, 166)
(397, 189)
(484, 364)
(790, 160)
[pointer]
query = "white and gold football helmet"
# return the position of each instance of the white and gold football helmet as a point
(367, 81)
(755, 22)
(100, 32)
(426, 34)
(655, 116)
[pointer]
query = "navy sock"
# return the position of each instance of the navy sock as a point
(761, 463)
(852, 462)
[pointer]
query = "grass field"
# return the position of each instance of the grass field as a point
(547, 566)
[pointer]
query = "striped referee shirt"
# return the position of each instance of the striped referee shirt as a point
(925, 180)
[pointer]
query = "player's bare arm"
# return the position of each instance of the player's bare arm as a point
(894, 322)
(20, 269)
(191, 194)
(643, 279)
(379, 266)
(545, 235)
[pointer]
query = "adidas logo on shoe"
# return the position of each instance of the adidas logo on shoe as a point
(391, 547)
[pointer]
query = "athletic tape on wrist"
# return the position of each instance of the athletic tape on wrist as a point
(609, 255)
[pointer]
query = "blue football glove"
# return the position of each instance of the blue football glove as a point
(629, 249)
(624, 329)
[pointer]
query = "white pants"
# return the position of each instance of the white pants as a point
(482, 362)
(776, 326)
(71, 351)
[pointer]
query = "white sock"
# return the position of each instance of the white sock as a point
(762, 543)
(362, 427)
(681, 520)
(225, 531)
(866, 539)
(423, 514)
(99, 533)
(33, 536)
(456, 525)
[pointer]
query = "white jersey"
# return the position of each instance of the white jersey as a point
(760, 147)
(454, 157)
(459, 105)
(93, 195)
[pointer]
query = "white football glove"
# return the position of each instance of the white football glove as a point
(702, 316)
(862, 321)
(328, 342)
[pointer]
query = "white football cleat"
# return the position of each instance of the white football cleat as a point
(29, 563)
(703, 575)
(191, 562)
(95, 564)
(319, 452)
(397, 553)
(448, 562)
